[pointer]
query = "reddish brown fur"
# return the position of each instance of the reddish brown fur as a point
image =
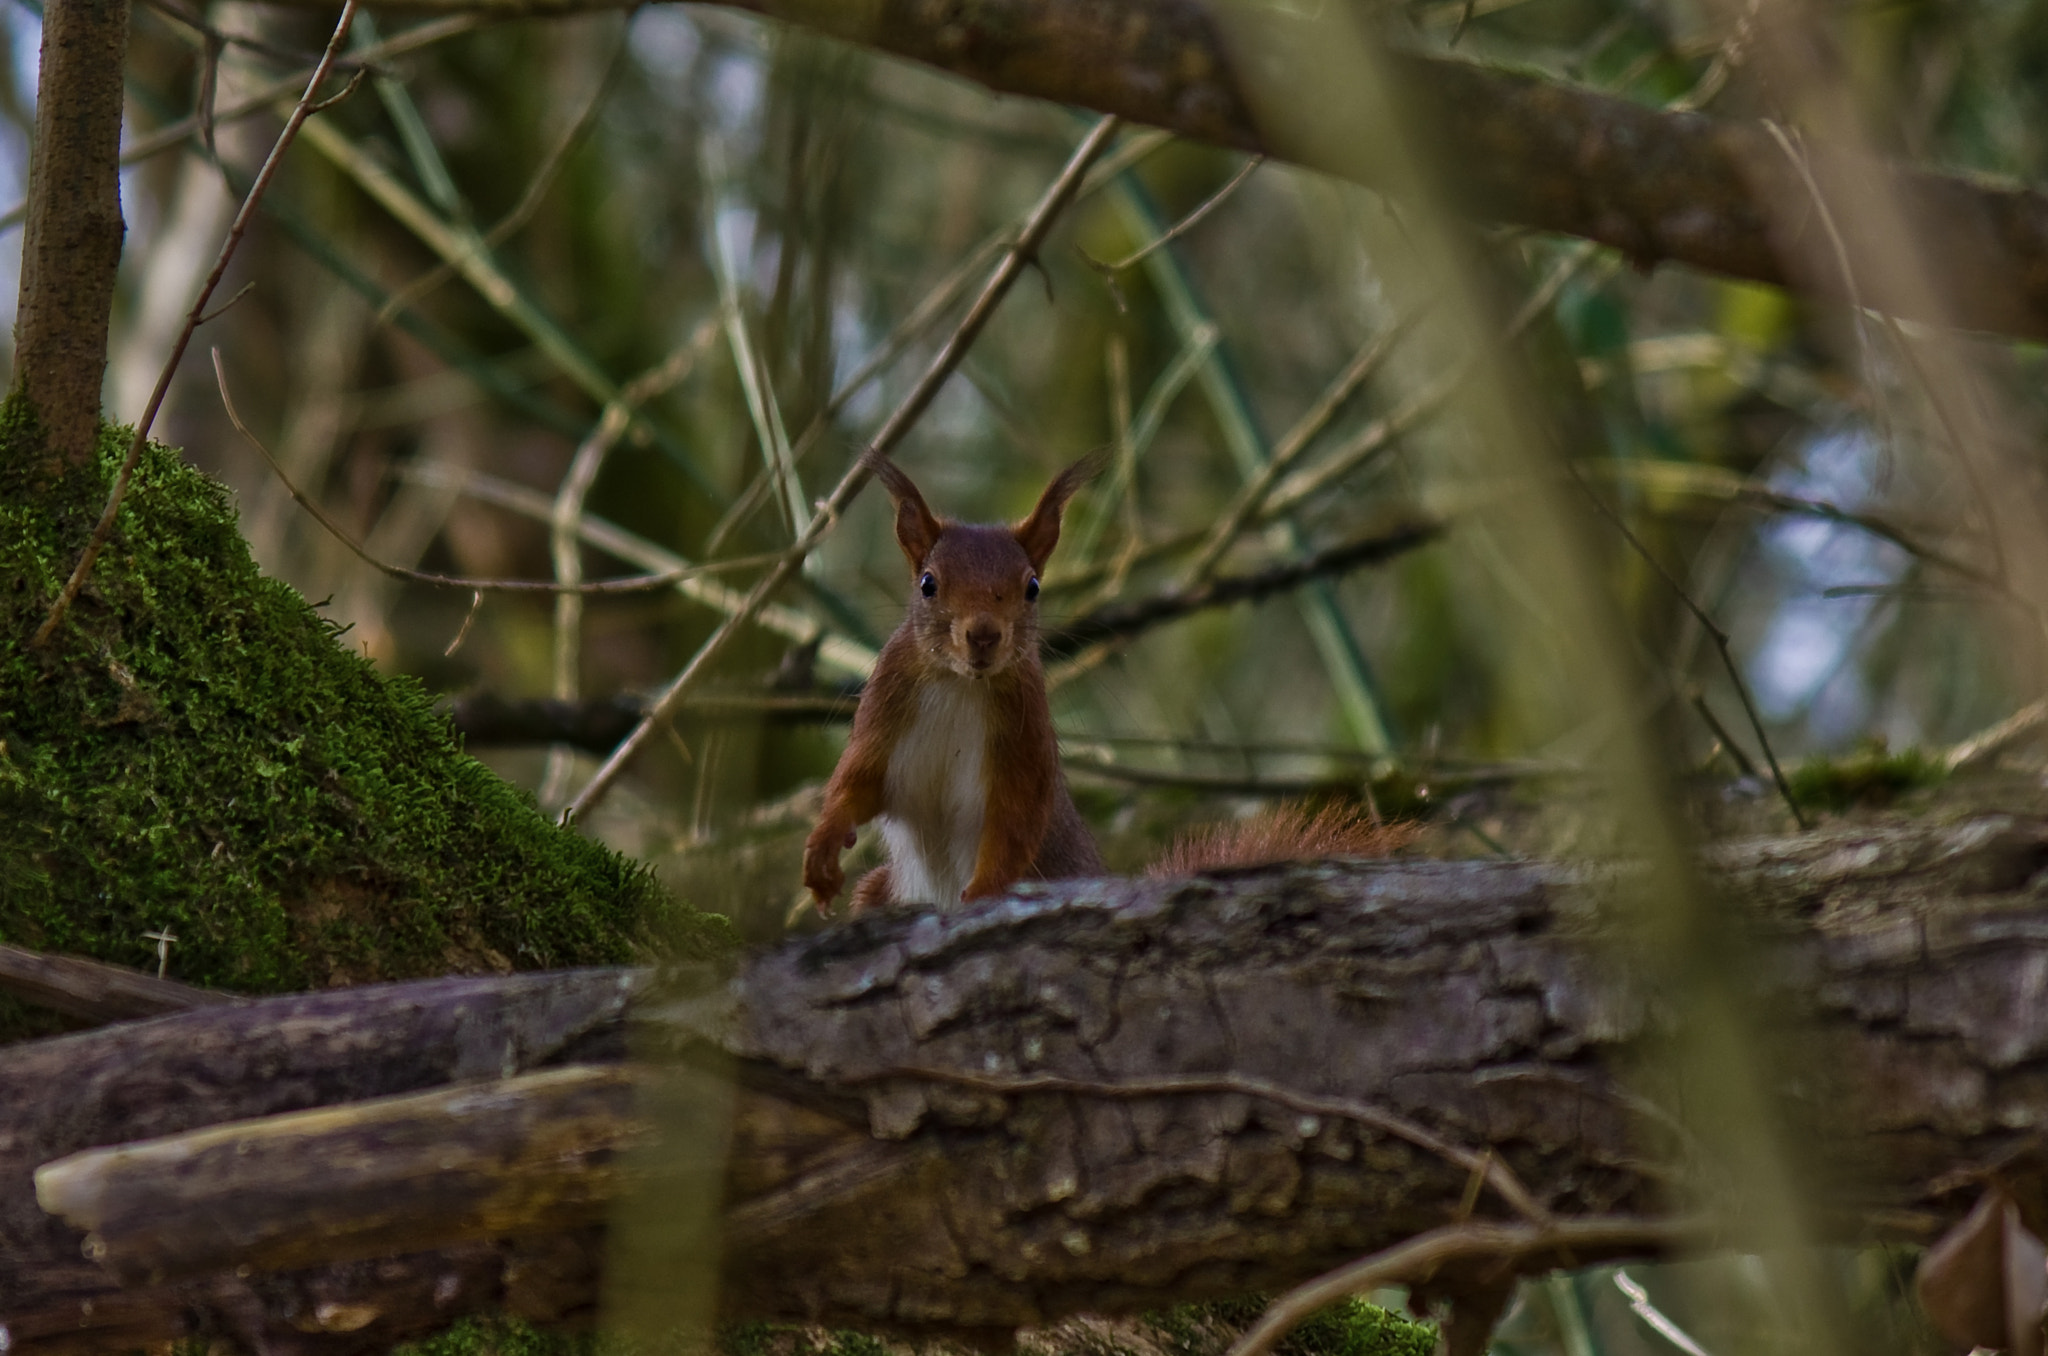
(1286, 833)
(979, 626)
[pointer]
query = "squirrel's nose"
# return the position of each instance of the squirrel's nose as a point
(983, 636)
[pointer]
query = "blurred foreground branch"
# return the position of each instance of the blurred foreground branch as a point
(1513, 147)
(1102, 1096)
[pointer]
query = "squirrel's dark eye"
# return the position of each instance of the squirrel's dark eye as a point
(927, 585)
(1031, 590)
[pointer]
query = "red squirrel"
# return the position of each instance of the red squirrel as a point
(953, 746)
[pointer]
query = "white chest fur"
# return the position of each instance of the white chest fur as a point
(934, 796)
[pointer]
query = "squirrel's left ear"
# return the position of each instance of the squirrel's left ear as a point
(1039, 533)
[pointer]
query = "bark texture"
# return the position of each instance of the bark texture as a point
(1104, 1096)
(94, 991)
(531, 1154)
(71, 241)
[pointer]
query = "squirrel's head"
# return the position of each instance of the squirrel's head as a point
(974, 599)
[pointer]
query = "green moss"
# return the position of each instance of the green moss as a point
(1873, 775)
(1350, 1327)
(1347, 1328)
(501, 1335)
(196, 749)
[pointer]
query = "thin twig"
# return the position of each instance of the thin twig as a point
(564, 536)
(1119, 490)
(174, 134)
(348, 91)
(1425, 1253)
(1713, 630)
(934, 304)
(639, 583)
(1728, 56)
(899, 423)
(1125, 619)
(244, 290)
(1694, 479)
(1296, 442)
(1077, 759)
(1179, 228)
(1728, 742)
(1950, 425)
(1953, 427)
(1134, 437)
(105, 527)
(1377, 436)
(1485, 1164)
(409, 294)
(476, 603)
(1987, 743)
(762, 407)
(1464, 22)
(460, 245)
(1639, 1300)
(841, 652)
(217, 38)
(209, 82)
(928, 310)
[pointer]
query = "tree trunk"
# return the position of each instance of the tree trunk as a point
(71, 241)
(1093, 1096)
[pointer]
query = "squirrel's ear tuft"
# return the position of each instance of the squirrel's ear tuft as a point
(917, 531)
(1039, 533)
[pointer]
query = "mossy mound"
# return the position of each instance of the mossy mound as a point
(1871, 776)
(1350, 1327)
(195, 750)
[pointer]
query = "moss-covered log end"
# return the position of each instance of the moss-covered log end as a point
(196, 750)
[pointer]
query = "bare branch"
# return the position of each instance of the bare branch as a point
(899, 423)
(1121, 620)
(1714, 631)
(639, 583)
(177, 133)
(1180, 228)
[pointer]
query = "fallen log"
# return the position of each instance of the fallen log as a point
(94, 991)
(1088, 1097)
(533, 1154)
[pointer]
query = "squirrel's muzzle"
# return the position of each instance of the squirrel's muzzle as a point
(982, 642)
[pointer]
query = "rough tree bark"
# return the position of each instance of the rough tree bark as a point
(93, 992)
(1096, 1096)
(71, 242)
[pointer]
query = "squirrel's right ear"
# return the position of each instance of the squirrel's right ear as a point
(917, 531)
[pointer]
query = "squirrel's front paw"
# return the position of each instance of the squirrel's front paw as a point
(822, 876)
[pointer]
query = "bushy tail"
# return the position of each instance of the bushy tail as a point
(1287, 833)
